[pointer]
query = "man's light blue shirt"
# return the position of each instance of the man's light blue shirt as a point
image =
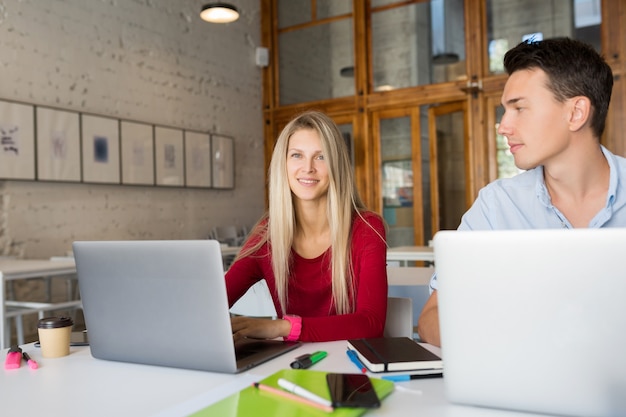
(523, 202)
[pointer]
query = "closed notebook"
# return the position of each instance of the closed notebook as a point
(386, 354)
(252, 402)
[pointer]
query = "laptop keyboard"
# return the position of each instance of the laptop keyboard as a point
(248, 349)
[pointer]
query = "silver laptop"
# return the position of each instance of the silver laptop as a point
(163, 303)
(534, 320)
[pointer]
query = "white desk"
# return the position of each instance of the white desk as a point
(78, 385)
(15, 269)
(405, 254)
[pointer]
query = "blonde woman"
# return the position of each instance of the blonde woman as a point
(322, 253)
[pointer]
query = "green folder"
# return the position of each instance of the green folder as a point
(252, 402)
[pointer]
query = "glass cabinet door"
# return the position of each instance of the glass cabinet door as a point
(424, 171)
(397, 179)
(449, 153)
(315, 50)
(509, 22)
(400, 183)
(417, 43)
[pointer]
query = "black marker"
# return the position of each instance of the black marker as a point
(308, 360)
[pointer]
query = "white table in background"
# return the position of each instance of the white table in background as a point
(230, 250)
(17, 269)
(404, 254)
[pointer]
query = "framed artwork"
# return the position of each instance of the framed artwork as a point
(197, 159)
(17, 141)
(168, 143)
(137, 142)
(101, 149)
(58, 145)
(223, 155)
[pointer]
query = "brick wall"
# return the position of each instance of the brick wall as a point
(153, 61)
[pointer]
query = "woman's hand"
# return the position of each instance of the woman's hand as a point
(258, 328)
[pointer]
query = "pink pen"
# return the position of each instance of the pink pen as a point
(14, 358)
(302, 400)
(31, 362)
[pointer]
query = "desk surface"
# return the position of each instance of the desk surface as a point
(34, 268)
(79, 385)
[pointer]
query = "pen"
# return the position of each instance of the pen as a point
(308, 360)
(30, 361)
(400, 378)
(301, 392)
(14, 358)
(291, 396)
(355, 360)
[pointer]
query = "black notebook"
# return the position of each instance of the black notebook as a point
(387, 354)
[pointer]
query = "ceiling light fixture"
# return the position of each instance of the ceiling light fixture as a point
(219, 12)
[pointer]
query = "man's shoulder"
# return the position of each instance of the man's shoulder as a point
(619, 160)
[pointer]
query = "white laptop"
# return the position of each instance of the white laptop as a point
(163, 303)
(534, 320)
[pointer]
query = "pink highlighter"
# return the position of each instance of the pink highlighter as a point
(14, 358)
(30, 361)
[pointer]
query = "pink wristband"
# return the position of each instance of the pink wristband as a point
(296, 327)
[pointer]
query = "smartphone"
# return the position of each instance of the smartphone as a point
(352, 390)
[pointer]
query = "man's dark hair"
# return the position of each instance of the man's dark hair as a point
(573, 68)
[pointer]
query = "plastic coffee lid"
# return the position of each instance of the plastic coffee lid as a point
(54, 322)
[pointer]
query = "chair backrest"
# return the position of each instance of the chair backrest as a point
(399, 317)
(412, 282)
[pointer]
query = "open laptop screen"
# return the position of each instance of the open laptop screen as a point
(159, 303)
(533, 319)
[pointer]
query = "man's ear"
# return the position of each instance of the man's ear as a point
(580, 112)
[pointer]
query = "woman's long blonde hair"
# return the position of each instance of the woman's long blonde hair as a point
(278, 226)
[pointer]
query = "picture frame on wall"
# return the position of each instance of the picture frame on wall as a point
(17, 141)
(101, 149)
(197, 159)
(58, 145)
(168, 143)
(137, 143)
(223, 161)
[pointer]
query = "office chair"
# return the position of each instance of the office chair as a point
(399, 321)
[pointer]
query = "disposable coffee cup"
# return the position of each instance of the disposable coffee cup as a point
(54, 336)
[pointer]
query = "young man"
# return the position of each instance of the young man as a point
(556, 101)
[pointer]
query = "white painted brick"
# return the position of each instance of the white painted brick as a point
(153, 61)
